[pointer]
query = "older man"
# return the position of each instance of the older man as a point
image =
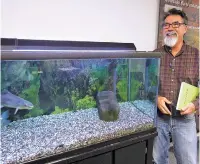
(179, 63)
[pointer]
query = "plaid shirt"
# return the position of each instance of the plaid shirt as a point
(184, 67)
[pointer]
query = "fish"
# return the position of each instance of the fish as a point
(4, 118)
(12, 101)
(69, 69)
(37, 72)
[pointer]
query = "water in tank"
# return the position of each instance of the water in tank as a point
(55, 102)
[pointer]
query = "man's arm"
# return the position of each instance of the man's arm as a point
(193, 106)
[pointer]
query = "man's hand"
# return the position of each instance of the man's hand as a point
(161, 105)
(188, 109)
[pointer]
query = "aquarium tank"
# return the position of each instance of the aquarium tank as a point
(54, 101)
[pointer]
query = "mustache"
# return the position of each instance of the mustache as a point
(169, 33)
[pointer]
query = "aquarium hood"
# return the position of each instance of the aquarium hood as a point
(19, 49)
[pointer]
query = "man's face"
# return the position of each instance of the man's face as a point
(173, 30)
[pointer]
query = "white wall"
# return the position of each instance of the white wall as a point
(133, 21)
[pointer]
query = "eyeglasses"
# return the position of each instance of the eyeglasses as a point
(174, 25)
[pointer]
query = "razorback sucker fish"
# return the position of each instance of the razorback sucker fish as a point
(12, 101)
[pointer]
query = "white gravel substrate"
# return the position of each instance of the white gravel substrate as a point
(32, 138)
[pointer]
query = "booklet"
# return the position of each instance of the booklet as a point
(187, 94)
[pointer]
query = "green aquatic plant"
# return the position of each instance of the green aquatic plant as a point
(153, 78)
(98, 78)
(86, 102)
(122, 89)
(59, 110)
(34, 112)
(100, 73)
(31, 94)
(122, 70)
(122, 84)
(75, 95)
(98, 86)
(135, 85)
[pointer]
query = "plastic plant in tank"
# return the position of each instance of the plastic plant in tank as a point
(86, 102)
(59, 110)
(98, 77)
(122, 82)
(31, 94)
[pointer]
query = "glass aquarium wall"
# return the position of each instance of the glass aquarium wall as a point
(72, 100)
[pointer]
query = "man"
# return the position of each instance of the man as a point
(179, 63)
